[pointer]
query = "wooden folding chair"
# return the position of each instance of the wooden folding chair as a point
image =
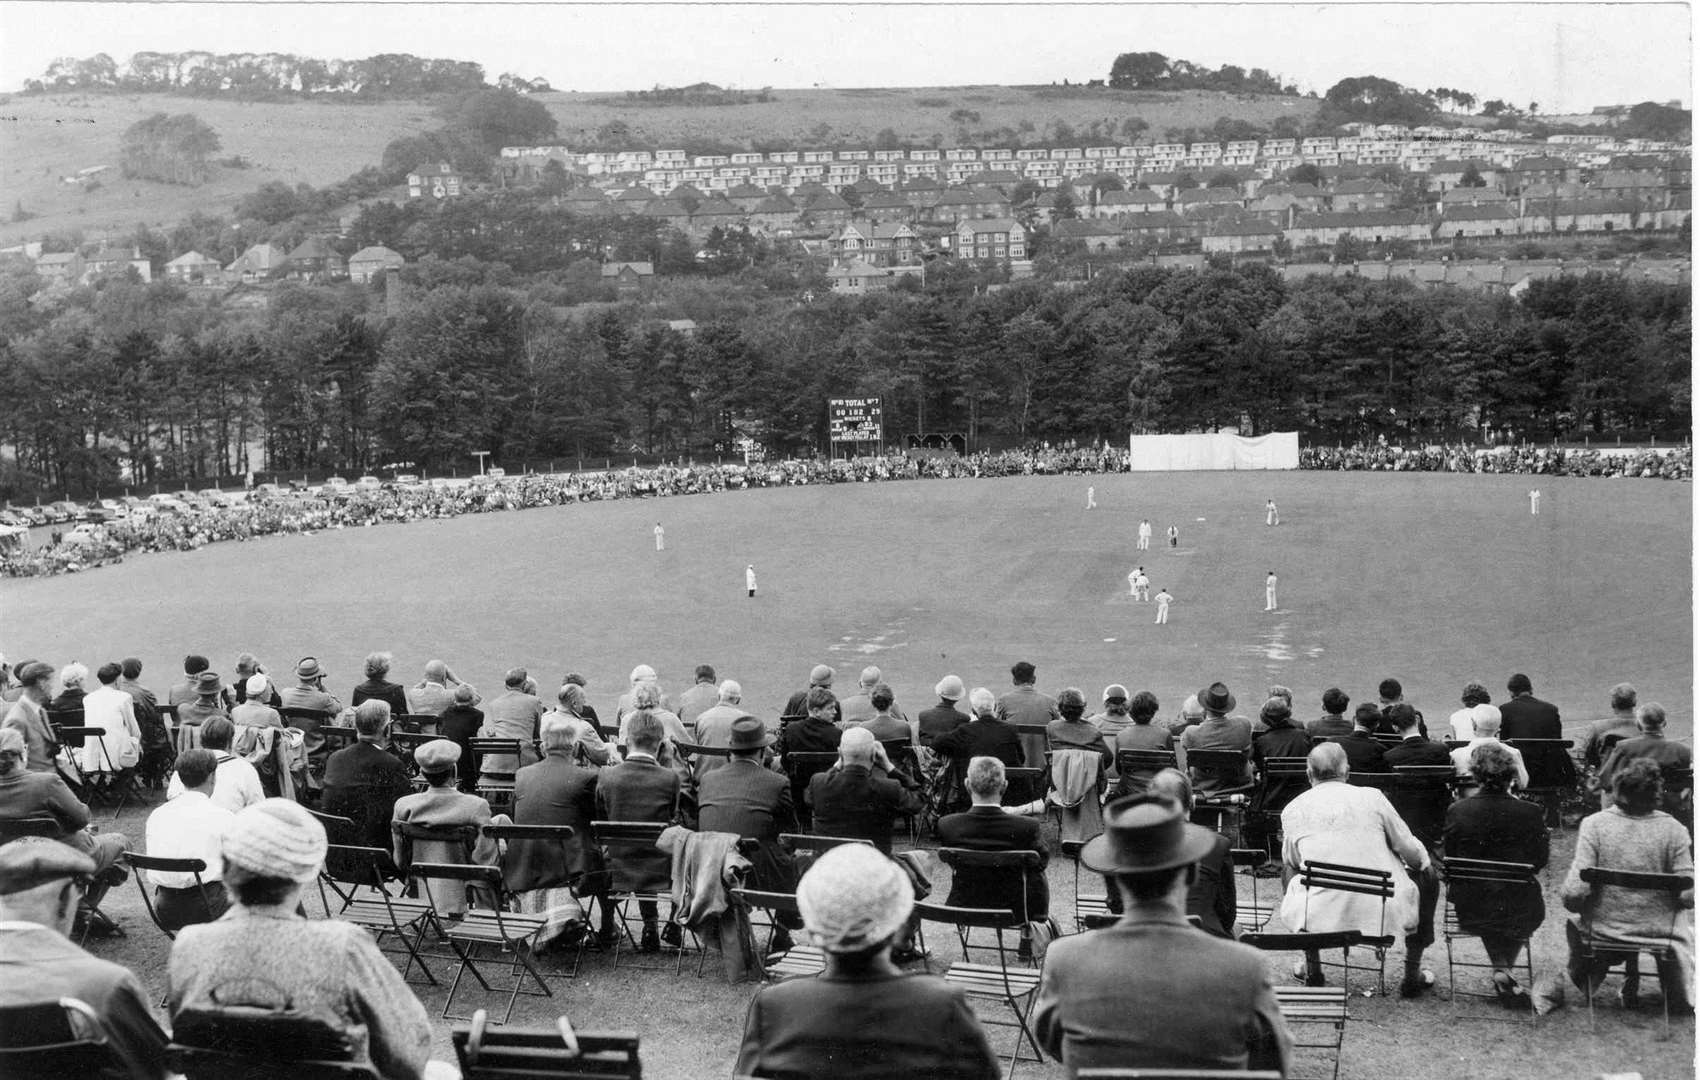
(1594, 942)
(16, 828)
(1482, 872)
(338, 736)
(368, 873)
(559, 836)
(1091, 909)
(496, 787)
(1140, 766)
(618, 839)
(1306, 1008)
(1258, 912)
(558, 1053)
(108, 784)
(140, 862)
(497, 928)
(58, 1039)
(218, 1043)
(1011, 870)
(1035, 740)
(1339, 877)
(798, 960)
(415, 724)
(1552, 773)
(1228, 802)
(1015, 987)
(804, 848)
(800, 767)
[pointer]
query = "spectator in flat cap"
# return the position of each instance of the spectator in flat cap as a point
(41, 882)
(263, 953)
(862, 1018)
(441, 805)
(364, 780)
(25, 794)
(820, 678)
(28, 715)
(256, 709)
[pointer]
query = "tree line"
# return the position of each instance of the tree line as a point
(268, 75)
(126, 378)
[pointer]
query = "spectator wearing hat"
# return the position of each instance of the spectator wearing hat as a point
(188, 690)
(701, 697)
(434, 693)
(378, 686)
(642, 788)
(512, 714)
(247, 666)
(1335, 822)
(861, 1018)
(1202, 1002)
(264, 954)
(944, 717)
(984, 736)
(1485, 721)
(364, 780)
(236, 783)
(1211, 898)
(1113, 714)
(257, 709)
(641, 674)
(41, 883)
(749, 799)
(26, 794)
(1620, 725)
(1463, 721)
(190, 826)
(441, 806)
(1140, 733)
(1526, 716)
(460, 724)
(820, 678)
(1221, 729)
(1279, 739)
(309, 693)
(556, 791)
(862, 795)
(208, 701)
(1024, 706)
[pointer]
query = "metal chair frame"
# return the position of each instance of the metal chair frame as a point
(559, 1053)
(505, 931)
(1482, 871)
(242, 1041)
(1322, 1005)
(1258, 913)
(380, 913)
(1091, 910)
(497, 787)
(1016, 864)
(1629, 879)
(559, 834)
(1341, 877)
(109, 785)
(1017, 988)
(799, 960)
(68, 1041)
(628, 835)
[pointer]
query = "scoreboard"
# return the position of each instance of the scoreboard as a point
(854, 419)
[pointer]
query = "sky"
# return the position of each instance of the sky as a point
(1569, 57)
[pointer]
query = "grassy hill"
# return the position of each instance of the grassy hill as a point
(46, 137)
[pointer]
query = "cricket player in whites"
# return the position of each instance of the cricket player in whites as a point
(1269, 592)
(1271, 515)
(1141, 585)
(1091, 498)
(1144, 535)
(1163, 602)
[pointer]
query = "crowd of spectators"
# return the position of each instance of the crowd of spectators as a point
(1676, 463)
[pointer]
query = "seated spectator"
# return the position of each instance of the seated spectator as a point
(858, 707)
(256, 709)
(1463, 721)
(1525, 716)
(1210, 896)
(1485, 723)
(1073, 731)
(193, 666)
(984, 736)
(702, 696)
(885, 722)
(1151, 991)
(264, 954)
(247, 666)
(1392, 693)
(1139, 734)
(1190, 716)
(985, 827)
(1632, 834)
(440, 806)
(1332, 724)
(754, 802)
(191, 826)
(589, 743)
(207, 703)
(364, 780)
(1279, 739)
(236, 783)
(714, 725)
(460, 724)
(861, 796)
(1220, 729)
(1114, 715)
(71, 691)
(1493, 825)
(1604, 735)
(41, 884)
(377, 685)
(1335, 822)
(1424, 809)
(646, 697)
(944, 717)
(25, 794)
(815, 733)
(642, 788)
(557, 790)
(1364, 752)
(820, 678)
(157, 747)
(309, 693)
(513, 714)
(861, 1018)
(573, 678)
(641, 674)
(119, 750)
(434, 693)
(1652, 745)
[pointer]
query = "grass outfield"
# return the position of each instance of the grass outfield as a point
(1435, 579)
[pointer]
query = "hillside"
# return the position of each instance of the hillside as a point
(45, 137)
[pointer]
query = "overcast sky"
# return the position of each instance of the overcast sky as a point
(1567, 56)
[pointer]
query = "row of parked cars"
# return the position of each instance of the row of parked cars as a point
(101, 511)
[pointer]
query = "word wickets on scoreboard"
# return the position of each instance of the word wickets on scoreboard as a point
(854, 419)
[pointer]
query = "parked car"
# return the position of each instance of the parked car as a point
(117, 510)
(215, 497)
(368, 484)
(63, 511)
(336, 485)
(37, 515)
(86, 533)
(166, 504)
(13, 519)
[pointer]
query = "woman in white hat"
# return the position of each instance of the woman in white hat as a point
(862, 1018)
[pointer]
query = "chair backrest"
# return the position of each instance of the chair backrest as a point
(1248, 856)
(497, 747)
(1548, 761)
(354, 864)
(208, 1043)
(1072, 848)
(1285, 768)
(1456, 744)
(291, 712)
(338, 829)
(413, 723)
(1144, 761)
(169, 711)
(794, 844)
(1011, 866)
(991, 918)
(1381, 781)
(1636, 879)
(1299, 942)
(691, 750)
(1228, 765)
(780, 903)
(60, 1039)
(1343, 878)
(14, 828)
(408, 742)
(558, 1053)
(408, 832)
(1487, 871)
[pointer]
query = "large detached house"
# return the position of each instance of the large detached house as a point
(991, 238)
(629, 278)
(369, 262)
(439, 181)
(192, 266)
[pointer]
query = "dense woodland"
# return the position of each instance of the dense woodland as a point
(470, 356)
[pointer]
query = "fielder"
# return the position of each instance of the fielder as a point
(1133, 583)
(750, 578)
(1163, 602)
(1174, 536)
(1091, 501)
(1271, 515)
(1144, 535)
(1535, 502)
(1142, 586)
(1269, 592)
(660, 537)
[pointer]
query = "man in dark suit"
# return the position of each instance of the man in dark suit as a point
(1202, 1002)
(642, 789)
(1423, 809)
(1526, 716)
(363, 781)
(984, 736)
(985, 827)
(459, 723)
(557, 791)
(857, 797)
(1394, 694)
(816, 733)
(1363, 752)
(746, 798)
